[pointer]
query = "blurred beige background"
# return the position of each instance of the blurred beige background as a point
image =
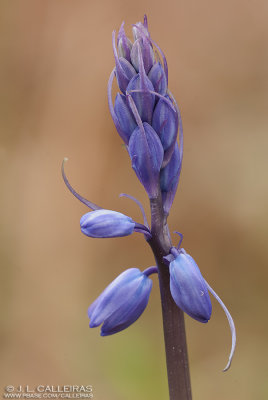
(56, 58)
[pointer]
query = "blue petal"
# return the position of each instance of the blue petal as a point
(124, 115)
(168, 197)
(124, 44)
(106, 224)
(120, 290)
(168, 175)
(169, 179)
(127, 68)
(158, 78)
(146, 153)
(129, 310)
(165, 123)
(144, 101)
(124, 70)
(188, 287)
(140, 30)
(123, 136)
(147, 54)
(124, 73)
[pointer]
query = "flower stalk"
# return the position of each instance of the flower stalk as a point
(173, 318)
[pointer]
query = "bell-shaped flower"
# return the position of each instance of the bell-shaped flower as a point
(188, 287)
(190, 291)
(106, 224)
(122, 302)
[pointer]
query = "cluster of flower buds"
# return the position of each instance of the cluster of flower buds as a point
(148, 120)
(145, 113)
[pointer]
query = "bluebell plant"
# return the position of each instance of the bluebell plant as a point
(148, 120)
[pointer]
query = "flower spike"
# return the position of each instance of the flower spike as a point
(148, 120)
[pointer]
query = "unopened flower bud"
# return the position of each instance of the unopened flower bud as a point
(124, 73)
(124, 44)
(169, 174)
(140, 30)
(106, 224)
(147, 54)
(165, 123)
(124, 115)
(169, 179)
(146, 153)
(144, 101)
(158, 78)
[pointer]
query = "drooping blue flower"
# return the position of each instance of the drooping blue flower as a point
(122, 302)
(188, 287)
(190, 290)
(106, 224)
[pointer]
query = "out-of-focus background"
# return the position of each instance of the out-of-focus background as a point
(56, 58)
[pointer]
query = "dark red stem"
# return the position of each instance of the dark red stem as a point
(173, 317)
